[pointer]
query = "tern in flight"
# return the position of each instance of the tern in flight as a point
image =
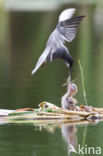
(65, 31)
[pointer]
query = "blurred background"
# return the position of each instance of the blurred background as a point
(25, 26)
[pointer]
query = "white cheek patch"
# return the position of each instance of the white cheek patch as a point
(66, 14)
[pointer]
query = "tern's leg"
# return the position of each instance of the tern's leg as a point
(43, 64)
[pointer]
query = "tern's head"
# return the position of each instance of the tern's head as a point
(72, 88)
(69, 61)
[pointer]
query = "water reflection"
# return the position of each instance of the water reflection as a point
(69, 135)
(46, 137)
(69, 131)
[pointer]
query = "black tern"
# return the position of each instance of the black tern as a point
(65, 31)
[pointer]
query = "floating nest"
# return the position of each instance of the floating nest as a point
(69, 112)
(48, 111)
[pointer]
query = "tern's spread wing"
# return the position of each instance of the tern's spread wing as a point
(56, 38)
(68, 28)
(41, 60)
(66, 14)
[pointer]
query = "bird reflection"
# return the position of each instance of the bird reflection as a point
(69, 135)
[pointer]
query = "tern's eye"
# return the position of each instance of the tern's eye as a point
(73, 87)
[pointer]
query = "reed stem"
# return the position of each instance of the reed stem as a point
(83, 84)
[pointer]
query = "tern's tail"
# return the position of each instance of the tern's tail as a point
(41, 60)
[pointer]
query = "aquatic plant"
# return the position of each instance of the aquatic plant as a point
(83, 83)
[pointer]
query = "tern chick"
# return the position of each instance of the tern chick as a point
(68, 101)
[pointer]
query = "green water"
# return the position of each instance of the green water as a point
(23, 36)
